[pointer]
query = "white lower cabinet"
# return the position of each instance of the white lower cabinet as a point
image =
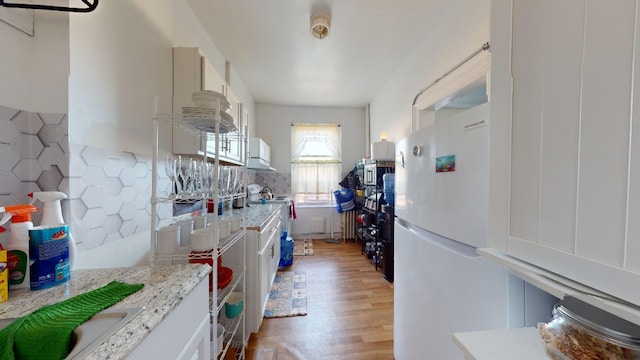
(275, 257)
(263, 256)
(184, 334)
(268, 258)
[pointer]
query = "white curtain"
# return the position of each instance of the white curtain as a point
(316, 161)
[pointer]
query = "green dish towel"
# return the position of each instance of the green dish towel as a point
(45, 333)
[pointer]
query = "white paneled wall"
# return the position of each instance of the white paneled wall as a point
(563, 159)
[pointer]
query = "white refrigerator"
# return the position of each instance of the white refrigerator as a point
(441, 284)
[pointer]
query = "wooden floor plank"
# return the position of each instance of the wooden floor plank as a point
(350, 311)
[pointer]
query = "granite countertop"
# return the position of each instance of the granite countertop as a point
(164, 288)
(257, 214)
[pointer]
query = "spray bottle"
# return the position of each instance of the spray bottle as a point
(52, 215)
(18, 247)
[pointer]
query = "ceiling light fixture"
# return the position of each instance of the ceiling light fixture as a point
(320, 24)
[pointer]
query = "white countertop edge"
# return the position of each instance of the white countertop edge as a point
(560, 286)
(502, 344)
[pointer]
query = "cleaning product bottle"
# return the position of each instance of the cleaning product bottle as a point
(52, 215)
(18, 247)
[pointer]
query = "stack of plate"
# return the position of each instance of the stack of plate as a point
(208, 99)
(203, 119)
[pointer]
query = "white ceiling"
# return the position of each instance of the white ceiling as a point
(269, 44)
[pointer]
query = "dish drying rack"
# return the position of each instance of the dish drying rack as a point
(208, 127)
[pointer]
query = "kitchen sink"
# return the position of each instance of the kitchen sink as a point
(94, 331)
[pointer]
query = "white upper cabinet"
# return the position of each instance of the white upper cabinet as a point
(573, 190)
(193, 72)
(233, 145)
(211, 80)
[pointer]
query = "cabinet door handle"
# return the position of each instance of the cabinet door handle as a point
(273, 251)
(225, 146)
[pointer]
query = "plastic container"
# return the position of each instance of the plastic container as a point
(235, 222)
(388, 181)
(286, 251)
(234, 304)
(49, 256)
(168, 240)
(203, 239)
(4, 276)
(18, 255)
(344, 200)
(52, 215)
(579, 331)
(186, 227)
(217, 344)
(199, 222)
(224, 229)
(18, 246)
(383, 150)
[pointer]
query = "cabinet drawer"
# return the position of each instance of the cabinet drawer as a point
(267, 232)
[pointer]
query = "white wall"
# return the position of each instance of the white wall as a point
(273, 125)
(116, 72)
(463, 28)
(189, 32)
(105, 69)
(302, 226)
(34, 70)
(121, 59)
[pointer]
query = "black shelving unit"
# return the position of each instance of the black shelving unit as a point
(375, 229)
(386, 231)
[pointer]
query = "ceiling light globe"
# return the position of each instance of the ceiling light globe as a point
(320, 25)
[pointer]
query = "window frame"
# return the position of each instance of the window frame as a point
(318, 193)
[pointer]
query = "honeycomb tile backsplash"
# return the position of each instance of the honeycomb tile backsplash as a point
(109, 191)
(279, 182)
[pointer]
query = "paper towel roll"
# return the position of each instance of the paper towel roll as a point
(383, 150)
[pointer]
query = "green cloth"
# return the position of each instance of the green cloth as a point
(45, 333)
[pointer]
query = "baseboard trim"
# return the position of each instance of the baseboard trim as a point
(316, 236)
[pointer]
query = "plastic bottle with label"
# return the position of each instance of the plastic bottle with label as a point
(286, 250)
(18, 246)
(52, 215)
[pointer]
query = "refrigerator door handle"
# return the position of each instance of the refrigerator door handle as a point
(451, 245)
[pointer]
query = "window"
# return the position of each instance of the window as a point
(316, 162)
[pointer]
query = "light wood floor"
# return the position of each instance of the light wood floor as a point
(350, 311)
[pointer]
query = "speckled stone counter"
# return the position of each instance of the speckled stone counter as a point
(165, 287)
(257, 214)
